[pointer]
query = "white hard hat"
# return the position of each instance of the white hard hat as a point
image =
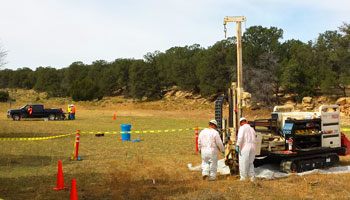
(72, 105)
(242, 119)
(213, 121)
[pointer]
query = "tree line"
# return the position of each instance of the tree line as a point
(268, 65)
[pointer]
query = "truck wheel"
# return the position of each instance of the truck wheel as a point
(16, 117)
(52, 117)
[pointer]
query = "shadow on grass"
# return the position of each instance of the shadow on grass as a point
(28, 135)
(24, 160)
(11, 161)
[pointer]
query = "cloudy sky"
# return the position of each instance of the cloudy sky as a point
(58, 32)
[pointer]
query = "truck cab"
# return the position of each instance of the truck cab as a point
(38, 111)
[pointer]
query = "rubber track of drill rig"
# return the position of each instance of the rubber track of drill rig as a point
(218, 111)
(218, 117)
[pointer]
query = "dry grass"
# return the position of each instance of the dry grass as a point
(112, 169)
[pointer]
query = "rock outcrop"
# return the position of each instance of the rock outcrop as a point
(307, 103)
(344, 104)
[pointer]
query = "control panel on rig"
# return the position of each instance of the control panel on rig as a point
(310, 130)
(302, 134)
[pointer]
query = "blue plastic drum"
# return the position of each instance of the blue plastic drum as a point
(126, 128)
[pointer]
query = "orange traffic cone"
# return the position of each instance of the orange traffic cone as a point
(73, 192)
(60, 181)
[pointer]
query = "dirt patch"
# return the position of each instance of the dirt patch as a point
(148, 180)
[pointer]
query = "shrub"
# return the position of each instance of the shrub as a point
(4, 96)
(85, 90)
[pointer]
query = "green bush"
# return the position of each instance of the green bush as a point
(85, 90)
(4, 96)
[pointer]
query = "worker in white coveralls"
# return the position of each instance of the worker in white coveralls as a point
(209, 145)
(246, 145)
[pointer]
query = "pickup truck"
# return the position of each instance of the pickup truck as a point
(38, 111)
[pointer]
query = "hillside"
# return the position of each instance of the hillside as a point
(175, 104)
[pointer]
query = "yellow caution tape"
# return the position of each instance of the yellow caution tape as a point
(146, 131)
(97, 132)
(35, 138)
(345, 129)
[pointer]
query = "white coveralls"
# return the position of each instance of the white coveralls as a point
(209, 142)
(246, 140)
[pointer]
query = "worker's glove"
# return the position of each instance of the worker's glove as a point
(223, 153)
(237, 149)
(200, 152)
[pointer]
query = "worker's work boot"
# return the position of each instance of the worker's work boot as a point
(252, 179)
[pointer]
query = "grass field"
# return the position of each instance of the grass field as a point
(112, 169)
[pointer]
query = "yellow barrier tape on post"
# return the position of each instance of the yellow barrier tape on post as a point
(99, 132)
(145, 131)
(35, 138)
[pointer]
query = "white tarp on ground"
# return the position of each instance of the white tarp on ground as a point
(271, 171)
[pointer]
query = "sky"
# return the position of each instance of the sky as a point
(56, 33)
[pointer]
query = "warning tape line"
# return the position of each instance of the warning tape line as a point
(98, 132)
(147, 131)
(107, 132)
(35, 138)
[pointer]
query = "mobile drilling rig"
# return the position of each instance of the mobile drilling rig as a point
(298, 141)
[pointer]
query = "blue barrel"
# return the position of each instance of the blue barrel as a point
(126, 128)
